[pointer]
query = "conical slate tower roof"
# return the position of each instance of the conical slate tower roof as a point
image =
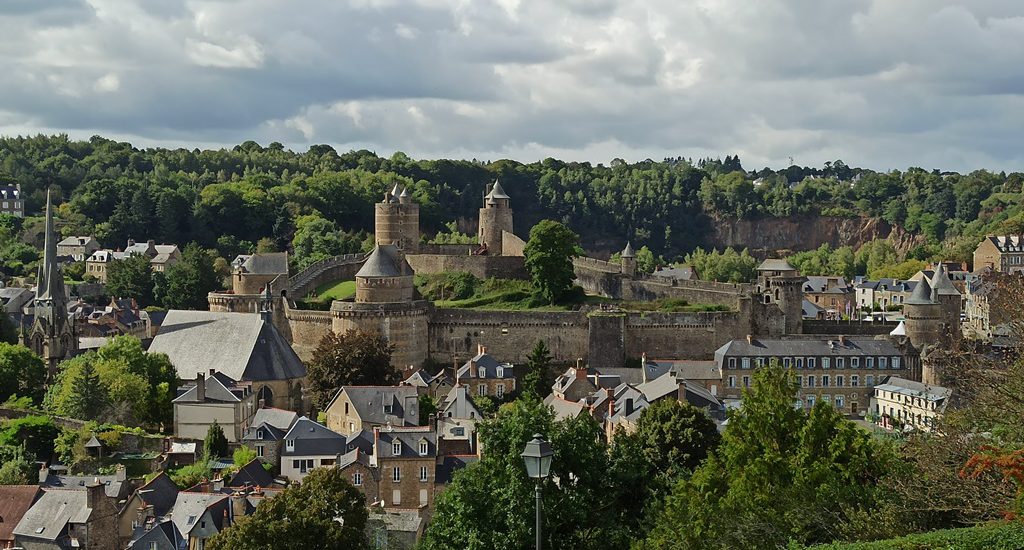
(922, 295)
(628, 251)
(50, 284)
(941, 284)
(497, 192)
(381, 263)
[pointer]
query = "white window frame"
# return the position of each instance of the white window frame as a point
(396, 448)
(424, 475)
(732, 362)
(481, 372)
(289, 445)
(882, 362)
(745, 362)
(895, 363)
(839, 381)
(396, 474)
(501, 372)
(481, 389)
(810, 381)
(826, 362)
(357, 479)
(825, 380)
(811, 363)
(746, 381)
(854, 381)
(732, 381)
(500, 391)
(259, 451)
(839, 402)
(424, 448)
(840, 362)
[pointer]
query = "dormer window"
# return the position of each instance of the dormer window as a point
(387, 408)
(259, 434)
(481, 372)
(290, 444)
(501, 372)
(423, 448)
(396, 448)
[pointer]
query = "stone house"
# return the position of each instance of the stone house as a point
(457, 416)
(11, 200)
(154, 499)
(77, 248)
(358, 408)
(883, 294)
(834, 294)
(161, 256)
(356, 466)
(309, 445)
(64, 519)
(837, 369)
(13, 299)
(900, 402)
(485, 376)
(217, 398)
(406, 459)
(199, 516)
(250, 273)
(1003, 253)
(266, 431)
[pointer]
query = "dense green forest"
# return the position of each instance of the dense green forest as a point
(319, 202)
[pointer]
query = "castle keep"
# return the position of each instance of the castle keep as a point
(386, 301)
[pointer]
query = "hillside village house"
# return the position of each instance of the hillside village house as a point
(217, 398)
(11, 201)
(266, 431)
(484, 375)
(883, 294)
(358, 408)
(834, 294)
(406, 458)
(1000, 253)
(161, 256)
(77, 248)
(841, 370)
(898, 402)
(15, 500)
(309, 445)
(69, 518)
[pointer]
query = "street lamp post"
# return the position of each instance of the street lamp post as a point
(537, 456)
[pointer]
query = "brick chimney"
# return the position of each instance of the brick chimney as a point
(238, 501)
(611, 401)
(44, 472)
(750, 339)
(93, 493)
(216, 484)
(581, 369)
(481, 349)
(120, 474)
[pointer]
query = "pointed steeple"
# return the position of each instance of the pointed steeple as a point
(50, 285)
(941, 284)
(497, 192)
(628, 251)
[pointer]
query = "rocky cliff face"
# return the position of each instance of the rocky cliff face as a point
(805, 233)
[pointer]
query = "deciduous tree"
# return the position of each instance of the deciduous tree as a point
(354, 358)
(549, 254)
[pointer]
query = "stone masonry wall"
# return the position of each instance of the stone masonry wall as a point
(509, 336)
(682, 335)
(502, 267)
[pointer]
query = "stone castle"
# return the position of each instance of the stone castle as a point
(386, 301)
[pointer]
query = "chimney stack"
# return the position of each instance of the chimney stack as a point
(93, 493)
(750, 339)
(581, 369)
(376, 445)
(44, 472)
(237, 506)
(121, 474)
(200, 387)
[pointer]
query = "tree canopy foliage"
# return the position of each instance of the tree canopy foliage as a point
(354, 358)
(549, 254)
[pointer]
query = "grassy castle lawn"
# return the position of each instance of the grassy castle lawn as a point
(339, 290)
(462, 290)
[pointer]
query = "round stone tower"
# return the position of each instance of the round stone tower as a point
(628, 259)
(397, 221)
(924, 323)
(385, 305)
(949, 300)
(495, 217)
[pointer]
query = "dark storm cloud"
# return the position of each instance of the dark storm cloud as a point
(874, 82)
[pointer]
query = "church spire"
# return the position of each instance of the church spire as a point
(50, 285)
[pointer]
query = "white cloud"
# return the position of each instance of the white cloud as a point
(877, 83)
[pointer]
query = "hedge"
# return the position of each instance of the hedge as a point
(996, 536)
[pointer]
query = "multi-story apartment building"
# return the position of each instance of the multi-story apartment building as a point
(836, 369)
(901, 403)
(1000, 253)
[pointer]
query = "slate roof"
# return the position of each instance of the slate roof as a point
(854, 347)
(74, 241)
(313, 439)
(369, 403)
(497, 192)
(679, 273)
(810, 310)
(922, 294)
(48, 518)
(218, 388)
(278, 418)
(189, 508)
(15, 500)
(563, 408)
(775, 264)
(471, 368)
(911, 388)
(451, 464)
(941, 284)
(195, 341)
(362, 440)
(163, 533)
(410, 439)
(826, 285)
(1007, 243)
(10, 191)
(352, 457)
(382, 262)
(160, 492)
(112, 487)
(690, 369)
(628, 251)
(266, 263)
(253, 474)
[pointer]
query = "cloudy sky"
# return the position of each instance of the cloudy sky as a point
(877, 83)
